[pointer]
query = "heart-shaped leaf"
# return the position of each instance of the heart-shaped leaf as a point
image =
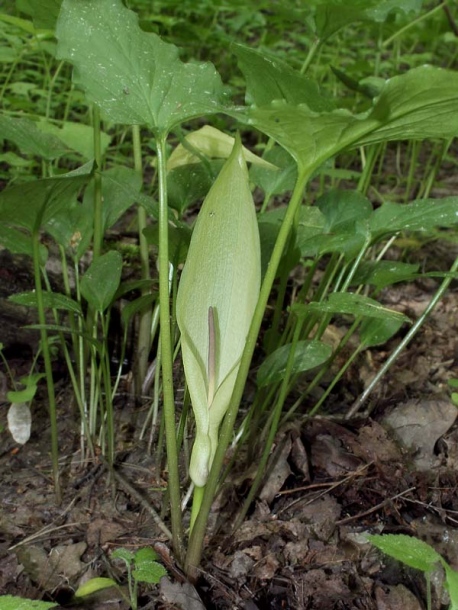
(132, 75)
(416, 105)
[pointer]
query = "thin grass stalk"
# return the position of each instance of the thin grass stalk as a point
(406, 340)
(368, 168)
(196, 540)
(415, 151)
(273, 430)
(430, 180)
(106, 381)
(167, 354)
(47, 362)
(98, 214)
(144, 326)
(311, 54)
(413, 23)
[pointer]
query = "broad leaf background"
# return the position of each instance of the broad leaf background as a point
(132, 75)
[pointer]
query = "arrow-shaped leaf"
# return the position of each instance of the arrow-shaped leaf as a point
(132, 75)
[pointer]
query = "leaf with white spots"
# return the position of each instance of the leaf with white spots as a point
(132, 75)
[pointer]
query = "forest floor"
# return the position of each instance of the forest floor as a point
(390, 468)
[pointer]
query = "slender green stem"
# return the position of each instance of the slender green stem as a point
(310, 55)
(167, 353)
(144, 327)
(197, 537)
(412, 23)
(197, 497)
(334, 381)
(106, 380)
(47, 361)
(406, 340)
(98, 216)
(261, 471)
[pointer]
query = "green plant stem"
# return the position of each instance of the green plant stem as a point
(311, 54)
(197, 498)
(261, 471)
(335, 380)
(51, 87)
(167, 353)
(197, 537)
(106, 377)
(144, 327)
(406, 340)
(98, 216)
(48, 366)
(413, 23)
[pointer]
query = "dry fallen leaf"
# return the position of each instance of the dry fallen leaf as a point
(418, 425)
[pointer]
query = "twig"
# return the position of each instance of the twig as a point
(139, 498)
(374, 508)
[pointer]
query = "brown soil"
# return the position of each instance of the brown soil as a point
(391, 469)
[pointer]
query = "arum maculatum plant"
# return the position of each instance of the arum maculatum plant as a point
(216, 299)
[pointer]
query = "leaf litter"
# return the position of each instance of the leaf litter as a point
(329, 483)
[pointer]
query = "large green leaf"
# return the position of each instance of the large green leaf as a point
(416, 105)
(307, 356)
(332, 15)
(35, 203)
(101, 280)
(413, 552)
(384, 273)
(342, 209)
(348, 241)
(270, 79)
(275, 181)
(377, 331)
(18, 242)
(12, 602)
(30, 139)
(52, 300)
(76, 136)
(132, 75)
(44, 12)
(355, 305)
(120, 190)
(421, 215)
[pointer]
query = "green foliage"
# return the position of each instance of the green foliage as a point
(307, 129)
(142, 567)
(415, 105)
(101, 281)
(12, 602)
(419, 555)
(133, 76)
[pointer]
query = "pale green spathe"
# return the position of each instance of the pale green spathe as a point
(222, 273)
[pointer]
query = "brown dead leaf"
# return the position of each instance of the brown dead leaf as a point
(278, 474)
(329, 455)
(241, 565)
(300, 459)
(181, 595)
(396, 598)
(101, 531)
(266, 568)
(50, 571)
(321, 515)
(419, 424)
(375, 445)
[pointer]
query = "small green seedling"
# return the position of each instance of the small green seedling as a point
(142, 566)
(421, 556)
(12, 602)
(453, 384)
